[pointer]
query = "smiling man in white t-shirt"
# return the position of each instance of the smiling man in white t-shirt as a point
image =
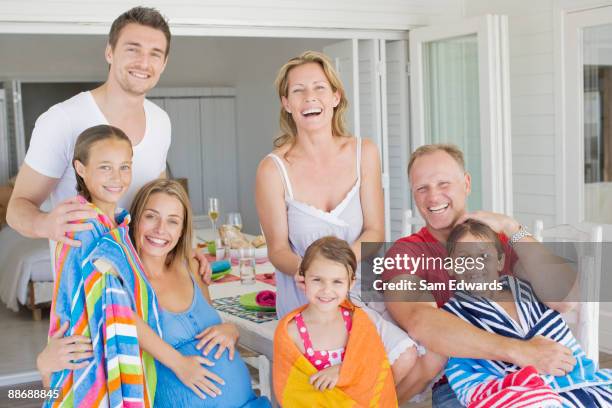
(137, 53)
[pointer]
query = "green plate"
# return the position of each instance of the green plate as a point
(248, 302)
(219, 275)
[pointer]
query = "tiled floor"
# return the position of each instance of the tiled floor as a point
(21, 339)
(605, 361)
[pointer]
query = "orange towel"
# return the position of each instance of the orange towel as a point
(365, 379)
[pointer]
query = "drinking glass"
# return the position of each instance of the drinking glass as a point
(246, 265)
(222, 249)
(213, 211)
(235, 220)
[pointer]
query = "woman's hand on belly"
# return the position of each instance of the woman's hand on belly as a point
(225, 335)
(190, 371)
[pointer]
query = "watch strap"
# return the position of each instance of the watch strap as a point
(520, 234)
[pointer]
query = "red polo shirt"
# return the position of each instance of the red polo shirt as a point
(424, 245)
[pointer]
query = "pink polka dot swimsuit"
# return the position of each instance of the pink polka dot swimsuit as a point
(321, 359)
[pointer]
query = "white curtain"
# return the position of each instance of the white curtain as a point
(452, 108)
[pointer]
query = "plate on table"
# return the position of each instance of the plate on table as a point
(248, 302)
(220, 275)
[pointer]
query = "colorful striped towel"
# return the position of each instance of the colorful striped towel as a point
(474, 379)
(363, 382)
(98, 288)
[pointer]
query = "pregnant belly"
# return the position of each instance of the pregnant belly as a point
(236, 392)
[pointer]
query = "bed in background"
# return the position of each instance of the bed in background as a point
(26, 278)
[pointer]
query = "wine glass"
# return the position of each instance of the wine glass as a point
(235, 220)
(213, 211)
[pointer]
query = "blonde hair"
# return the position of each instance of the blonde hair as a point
(172, 188)
(288, 128)
(450, 149)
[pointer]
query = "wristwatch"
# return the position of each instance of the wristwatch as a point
(520, 234)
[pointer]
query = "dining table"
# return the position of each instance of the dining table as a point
(256, 328)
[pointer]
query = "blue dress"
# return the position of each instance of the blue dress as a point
(179, 331)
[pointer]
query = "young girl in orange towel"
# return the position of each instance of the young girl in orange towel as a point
(321, 330)
(319, 348)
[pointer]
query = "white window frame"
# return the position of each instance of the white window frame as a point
(572, 18)
(211, 30)
(350, 49)
(494, 95)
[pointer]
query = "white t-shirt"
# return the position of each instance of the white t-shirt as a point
(56, 131)
(55, 134)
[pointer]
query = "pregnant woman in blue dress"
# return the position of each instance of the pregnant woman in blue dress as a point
(161, 231)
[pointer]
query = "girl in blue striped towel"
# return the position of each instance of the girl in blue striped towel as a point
(508, 306)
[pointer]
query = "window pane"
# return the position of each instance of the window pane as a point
(597, 60)
(452, 103)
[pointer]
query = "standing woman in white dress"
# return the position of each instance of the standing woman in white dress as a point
(318, 181)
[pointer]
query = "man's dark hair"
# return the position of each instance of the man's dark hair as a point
(477, 229)
(145, 16)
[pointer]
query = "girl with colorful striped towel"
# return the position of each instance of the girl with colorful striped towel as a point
(103, 294)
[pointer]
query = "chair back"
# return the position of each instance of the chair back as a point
(584, 319)
(410, 223)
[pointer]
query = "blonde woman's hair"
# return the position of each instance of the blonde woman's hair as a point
(182, 251)
(288, 130)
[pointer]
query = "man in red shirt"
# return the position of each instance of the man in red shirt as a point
(440, 186)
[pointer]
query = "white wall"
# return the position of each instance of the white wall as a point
(54, 15)
(247, 64)
(533, 88)
(530, 26)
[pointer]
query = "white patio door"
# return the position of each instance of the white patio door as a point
(587, 171)
(204, 144)
(459, 95)
(345, 57)
(361, 65)
(587, 144)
